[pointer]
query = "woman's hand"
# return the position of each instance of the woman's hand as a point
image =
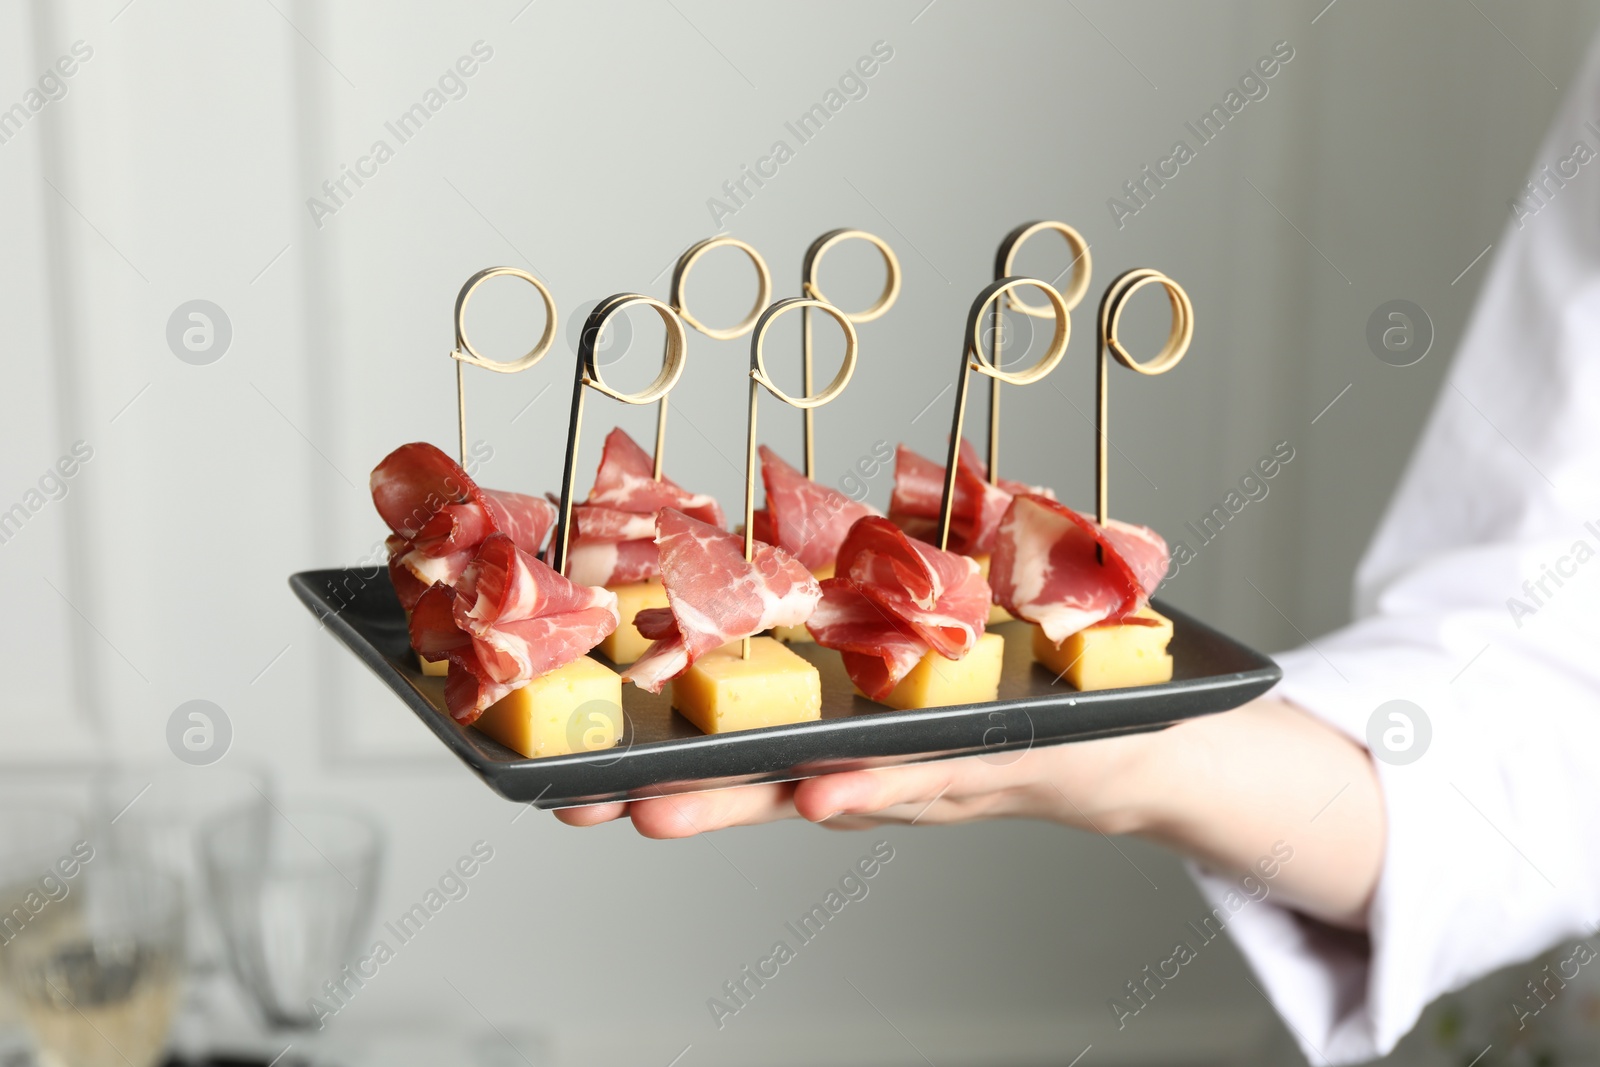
(1223, 789)
(1005, 784)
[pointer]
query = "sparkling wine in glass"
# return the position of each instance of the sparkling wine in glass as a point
(152, 811)
(99, 981)
(37, 871)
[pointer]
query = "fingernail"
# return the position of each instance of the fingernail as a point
(830, 815)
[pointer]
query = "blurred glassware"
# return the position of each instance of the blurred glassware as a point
(294, 893)
(99, 971)
(151, 813)
(154, 811)
(35, 837)
(502, 1046)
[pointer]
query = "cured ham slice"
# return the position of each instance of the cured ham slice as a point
(806, 520)
(1046, 568)
(613, 531)
(892, 600)
(976, 512)
(507, 620)
(440, 517)
(614, 562)
(714, 596)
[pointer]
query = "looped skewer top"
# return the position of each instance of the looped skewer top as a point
(759, 378)
(1004, 266)
(974, 359)
(465, 353)
(811, 289)
(680, 280)
(672, 360)
(680, 304)
(1177, 344)
(588, 375)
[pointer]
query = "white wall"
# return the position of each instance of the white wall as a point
(178, 167)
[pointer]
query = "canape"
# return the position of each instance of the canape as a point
(1086, 588)
(717, 600)
(438, 517)
(908, 620)
(517, 636)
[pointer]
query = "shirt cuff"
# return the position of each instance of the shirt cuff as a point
(1472, 856)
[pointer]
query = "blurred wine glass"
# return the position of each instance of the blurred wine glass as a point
(438, 1044)
(98, 971)
(150, 813)
(36, 848)
(293, 893)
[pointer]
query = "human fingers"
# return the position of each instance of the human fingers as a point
(687, 814)
(592, 814)
(943, 791)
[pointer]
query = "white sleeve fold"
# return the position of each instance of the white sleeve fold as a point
(1479, 601)
(1493, 840)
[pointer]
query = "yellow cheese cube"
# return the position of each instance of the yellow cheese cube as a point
(625, 644)
(723, 692)
(997, 614)
(575, 708)
(799, 634)
(1111, 655)
(937, 682)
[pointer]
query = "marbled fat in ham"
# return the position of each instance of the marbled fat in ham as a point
(893, 599)
(613, 531)
(507, 620)
(976, 512)
(440, 517)
(714, 596)
(806, 520)
(1064, 571)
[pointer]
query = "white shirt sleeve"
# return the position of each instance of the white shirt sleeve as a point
(1479, 601)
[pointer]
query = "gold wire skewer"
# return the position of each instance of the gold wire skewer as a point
(588, 375)
(973, 358)
(811, 289)
(465, 353)
(807, 403)
(1116, 298)
(675, 297)
(1004, 260)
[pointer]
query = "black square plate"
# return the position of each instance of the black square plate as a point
(662, 753)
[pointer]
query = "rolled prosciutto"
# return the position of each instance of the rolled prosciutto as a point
(714, 596)
(974, 515)
(613, 531)
(507, 620)
(1064, 571)
(894, 598)
(440, 517)
(806, 520)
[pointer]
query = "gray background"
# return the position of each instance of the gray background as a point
(178, 166)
